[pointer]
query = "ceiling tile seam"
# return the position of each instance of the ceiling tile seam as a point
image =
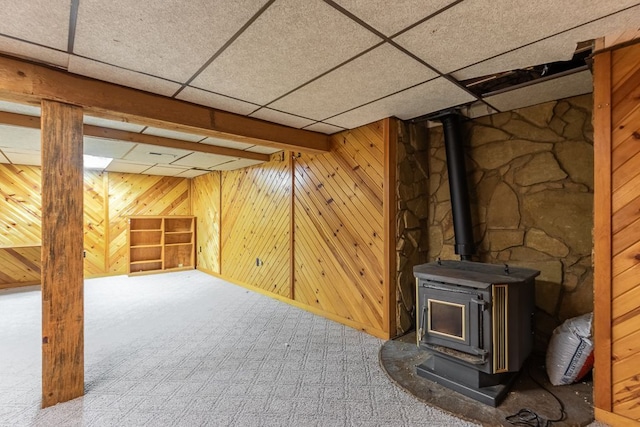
(32, 43)
(220, 94)
(323, 123)
(283, 112)
(364, 52)
(127, 69)
(225, 46)
(425, 19)
(545, 38)
(73, 20)
(377, 99)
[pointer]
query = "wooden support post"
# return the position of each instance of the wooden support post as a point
(62, 245)
(390, 137)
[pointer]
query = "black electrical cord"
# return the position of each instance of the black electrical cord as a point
(529, 418)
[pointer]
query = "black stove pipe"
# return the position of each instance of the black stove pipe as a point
(460, 206)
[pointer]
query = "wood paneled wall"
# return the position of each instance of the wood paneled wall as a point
(108, 199)
(255, 225)
(205, 193)
(141, 195)
(617, 247)
(315, 221)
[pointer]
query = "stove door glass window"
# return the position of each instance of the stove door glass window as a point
(447, 319)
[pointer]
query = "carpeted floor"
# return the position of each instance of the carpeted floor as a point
(187, 349)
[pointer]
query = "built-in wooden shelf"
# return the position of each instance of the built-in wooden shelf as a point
(161, 243)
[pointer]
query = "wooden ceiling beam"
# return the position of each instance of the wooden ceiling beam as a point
(23, 81)
(14, 119)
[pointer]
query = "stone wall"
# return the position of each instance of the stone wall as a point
(530, 176)
(412, 192)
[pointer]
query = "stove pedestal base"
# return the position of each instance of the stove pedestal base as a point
(489, 389)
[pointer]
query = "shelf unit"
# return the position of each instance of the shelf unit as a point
(161, 243)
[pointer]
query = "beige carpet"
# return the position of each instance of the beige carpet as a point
(186, 349)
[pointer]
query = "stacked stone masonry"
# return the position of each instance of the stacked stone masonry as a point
(530, 175)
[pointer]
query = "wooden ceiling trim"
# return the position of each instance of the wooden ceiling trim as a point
(27, 82)
(14, 119)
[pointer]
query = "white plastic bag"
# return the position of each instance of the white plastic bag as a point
(570, 352)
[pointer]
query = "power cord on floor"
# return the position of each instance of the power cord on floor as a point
(529, 418)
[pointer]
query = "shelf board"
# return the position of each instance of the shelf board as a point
(155, 245)
(138, 230)
(177, 244)
(146, 261)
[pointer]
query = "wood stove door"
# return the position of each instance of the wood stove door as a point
(451, 318)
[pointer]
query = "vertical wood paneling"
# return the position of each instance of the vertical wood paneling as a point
(618, 291)
(339, 247)
(62, 270)
(255, 224)
(20, 213)
(205, 191)
(95, 224)
(131, 195)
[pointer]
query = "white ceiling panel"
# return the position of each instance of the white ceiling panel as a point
(369, 77)
(203, 160)
(123, 166)
(290, 43)
(213, 100)
(324, 128)
(12, 107)
(238, 164)
(173, 134)
(557, 48)
(109, 148)
(165, 170)
(426, 98)
(151, 154)
(391, 17)
(32, 51)
(109, 73)
(474, 30)
(48, 21)
(192, 173)
(19, 137)
(263, 149)
(3, 159)
(170, 39)
(283, 118)
(113, 124)
(226, 143)
(23, 157)
(548, 90)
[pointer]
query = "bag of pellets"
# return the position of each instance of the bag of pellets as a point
(570, 352)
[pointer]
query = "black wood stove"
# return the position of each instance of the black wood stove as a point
(476, 322)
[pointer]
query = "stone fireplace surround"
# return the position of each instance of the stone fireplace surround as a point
(530, 175)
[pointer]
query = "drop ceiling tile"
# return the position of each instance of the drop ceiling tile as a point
(120, 76)
(391, 17)
(548, 90)
(324, 128)
(237, 164)
(226, 143)
(43, 22)
(426, 98)
(289, 44)
(109, 148)
(23, 157)
(472, 31)
(3, 159)
(192, 173)
(213, 100)
(263, 149)
(478, 109)
(113, 124)
(151, 154)
(557, 48)
(165, 170)
(282, 118)
(27, 110)
(19, 137)
(367, 78)
(173, 134)
(34, 52)
(170, 39)
(203, 160)
(123, 166)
